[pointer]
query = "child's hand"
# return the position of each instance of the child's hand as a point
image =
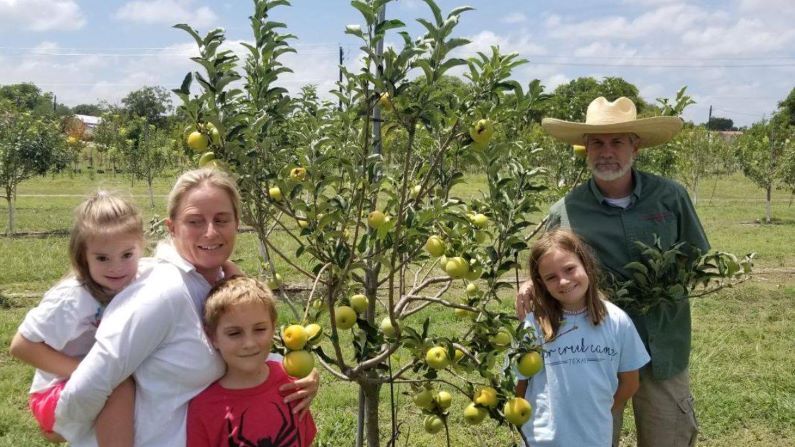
(303, 391)
(523, 298)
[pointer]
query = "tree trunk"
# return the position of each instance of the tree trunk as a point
(371, 413)
(768, 204)
(695, 191)
(11, 198)
(151, 193)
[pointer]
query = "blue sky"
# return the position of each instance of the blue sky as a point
(736, 55)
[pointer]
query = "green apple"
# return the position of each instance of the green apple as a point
(298, 174)
(436, 357)
(517, 411)
(433, 424)
(456, 267)
(423, 399)
(481, 131)
(530, 364)
(298, 363)
(443, 399)
(215, 136)
(294, 337)
(275, 282)
(502, 339)
(464, 313)
(314, 332)
(474, 415)
(486, 396)
(386, 327)
(376, 219)
(198, 141)
(359, 303)
(579, 150)
(345, 317)
(472, 289)
(415, 191)
(435, 246)
(385, 102)
(303, 223)
(479, 220)
(475, 272)
(206, 158)
(275, 193)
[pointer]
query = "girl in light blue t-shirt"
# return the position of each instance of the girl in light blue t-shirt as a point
(592, 352)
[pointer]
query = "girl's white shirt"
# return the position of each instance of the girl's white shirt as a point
(66, 320)
(153, 331)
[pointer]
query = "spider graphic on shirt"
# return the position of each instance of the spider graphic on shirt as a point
(287, 436)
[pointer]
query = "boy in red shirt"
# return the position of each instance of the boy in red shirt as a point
(244, 406)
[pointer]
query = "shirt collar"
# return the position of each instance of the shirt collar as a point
(635, 191)
(167, 252)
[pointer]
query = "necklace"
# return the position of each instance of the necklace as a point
(575, 312)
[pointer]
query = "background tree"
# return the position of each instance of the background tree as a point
(30, 145)
(760, 151)
(151, 103)
(88, 109)
(570, 101)
(150, 154)
(787, 107)
(718, 123)
(29, 97)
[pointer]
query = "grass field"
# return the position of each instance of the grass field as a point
(741, 366)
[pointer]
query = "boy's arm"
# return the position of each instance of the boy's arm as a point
(521, 388)
(628, 384)
(42, 356)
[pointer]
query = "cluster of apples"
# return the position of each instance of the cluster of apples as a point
(345, 316)
(199, 138)
(298, 361)
(434, 404)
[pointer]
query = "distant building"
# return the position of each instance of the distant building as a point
(90, 122)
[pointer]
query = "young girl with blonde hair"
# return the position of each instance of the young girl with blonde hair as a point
(592, 351)
(105, 246)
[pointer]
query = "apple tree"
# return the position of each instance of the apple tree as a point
(385, 241)
(30, 145)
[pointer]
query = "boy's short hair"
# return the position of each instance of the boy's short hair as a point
(234, 291)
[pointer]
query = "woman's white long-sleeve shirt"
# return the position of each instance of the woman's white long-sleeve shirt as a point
(152, 330)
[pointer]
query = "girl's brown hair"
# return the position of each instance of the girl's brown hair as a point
(102, 214)
(547, 310)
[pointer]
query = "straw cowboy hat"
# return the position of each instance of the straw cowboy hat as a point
(619, 116)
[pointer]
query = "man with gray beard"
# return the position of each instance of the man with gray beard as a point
(616, 207)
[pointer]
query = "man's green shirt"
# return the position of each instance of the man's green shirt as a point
(658, 206)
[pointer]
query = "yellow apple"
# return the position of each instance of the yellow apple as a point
(530, 364)
(298, 174)
(345, 317)
(303, 223)
(314, 333)
(298, 363)
(386, 327)
(384, 101)
(486, 396)
(443, 399)
(464, 313)
(501, 339)
(423, 399)
(434, 246)
(481, 131)
(456, 267)
(579, 150)
(415, 191)
(375, 219)
(294, 337)
(72, 140)
(359, 303)
(436, 357)
(275, 194)
(517, 411)
(474, 415)
(433, 424)
(198, 141)
(472, 289)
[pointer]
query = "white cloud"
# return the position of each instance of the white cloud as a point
(167, 12)
(601, 48)
(523, 44)
(40, 15)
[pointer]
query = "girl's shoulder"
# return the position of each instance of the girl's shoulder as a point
(69, 291)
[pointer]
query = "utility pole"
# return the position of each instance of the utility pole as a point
(342, 55)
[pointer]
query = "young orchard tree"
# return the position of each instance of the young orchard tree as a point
(375, 233)
(30, 145)
(761, 150)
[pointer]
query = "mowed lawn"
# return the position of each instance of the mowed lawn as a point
(741, 366)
